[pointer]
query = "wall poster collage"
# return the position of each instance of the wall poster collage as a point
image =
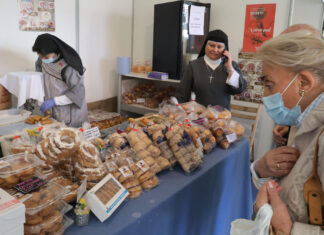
(36, 15)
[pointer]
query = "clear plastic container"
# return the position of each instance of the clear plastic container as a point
(45, 199)
(53, 225)
(16, 168)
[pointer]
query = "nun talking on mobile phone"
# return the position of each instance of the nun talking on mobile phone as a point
(213, 76)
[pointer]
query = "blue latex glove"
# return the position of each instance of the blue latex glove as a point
(47, 104)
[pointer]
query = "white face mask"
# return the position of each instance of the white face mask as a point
(278, 112)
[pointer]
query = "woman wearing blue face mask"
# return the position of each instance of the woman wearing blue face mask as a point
(63, 80)
(293, 76)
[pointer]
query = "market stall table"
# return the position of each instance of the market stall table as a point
(205, 202)
(24, 85)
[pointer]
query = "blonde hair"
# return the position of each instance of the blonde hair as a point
(296, 51)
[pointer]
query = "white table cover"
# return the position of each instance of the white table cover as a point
(24, 85)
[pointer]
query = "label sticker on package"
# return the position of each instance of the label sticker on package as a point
(3, 164)
(142, 165)
(126, 172)
(140, 100)
(30, 184)
(91, 133)
(231, 137)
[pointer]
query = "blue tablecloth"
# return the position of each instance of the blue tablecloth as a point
(203, 203)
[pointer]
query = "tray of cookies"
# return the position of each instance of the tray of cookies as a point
(54, 223)
(44, 200)
(71, 188)
(16, 168)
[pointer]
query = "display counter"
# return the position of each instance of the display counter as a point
(204, 202)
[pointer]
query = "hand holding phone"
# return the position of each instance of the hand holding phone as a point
(224, 57)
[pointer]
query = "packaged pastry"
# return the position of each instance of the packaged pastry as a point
(172, 111)
(217, 127)
(88, 155)
(118, 141)
(142, 144)
(43, 202)
(16, 168)
(200, 134)
(145, 175)
(193, 109)
(53, 223)
(183, 148)
(71, 187)
(217, 112)
(157, 134)
(237, 128)
(47, 173)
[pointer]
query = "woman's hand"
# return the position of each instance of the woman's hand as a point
(278, 133)
(262, 197)
(281, 220)
(277, 162)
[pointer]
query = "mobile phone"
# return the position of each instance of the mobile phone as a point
(224, 57)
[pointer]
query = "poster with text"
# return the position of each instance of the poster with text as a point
(36, 15)
(259, 23)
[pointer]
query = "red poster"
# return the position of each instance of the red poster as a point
(259, 23)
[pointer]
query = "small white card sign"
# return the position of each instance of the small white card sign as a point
(91, 133)
(196, 20)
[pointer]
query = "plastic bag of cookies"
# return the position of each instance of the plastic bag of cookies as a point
(145, 175)
(183, 148)
(200, 134)
(157, 134)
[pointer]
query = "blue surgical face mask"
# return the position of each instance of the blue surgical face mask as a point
(50, 60)
(278, 112)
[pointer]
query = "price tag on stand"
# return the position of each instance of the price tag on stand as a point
(82, 188)
(231, 137)
(30, 184)
(91, 133)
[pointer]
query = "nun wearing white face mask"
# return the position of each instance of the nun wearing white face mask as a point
(293, 76)
(63, 80)
(213, 76)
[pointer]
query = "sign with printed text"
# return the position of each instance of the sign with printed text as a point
(259, 24)
(30, 184)
(91, 133)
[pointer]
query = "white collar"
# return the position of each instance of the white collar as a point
(212, 63)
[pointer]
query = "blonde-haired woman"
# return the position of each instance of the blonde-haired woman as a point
(293, 76)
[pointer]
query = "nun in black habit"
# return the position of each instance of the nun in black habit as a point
(63, 80)
(213, 76)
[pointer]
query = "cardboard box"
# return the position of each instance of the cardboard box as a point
(12, 214)
(104, 198)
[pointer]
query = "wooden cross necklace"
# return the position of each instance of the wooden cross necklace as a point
(211, 74)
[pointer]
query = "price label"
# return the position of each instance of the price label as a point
(140, 100)
(142, 165)
(91, 133)
(126, 172)
(30, 184)
(231, 137)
